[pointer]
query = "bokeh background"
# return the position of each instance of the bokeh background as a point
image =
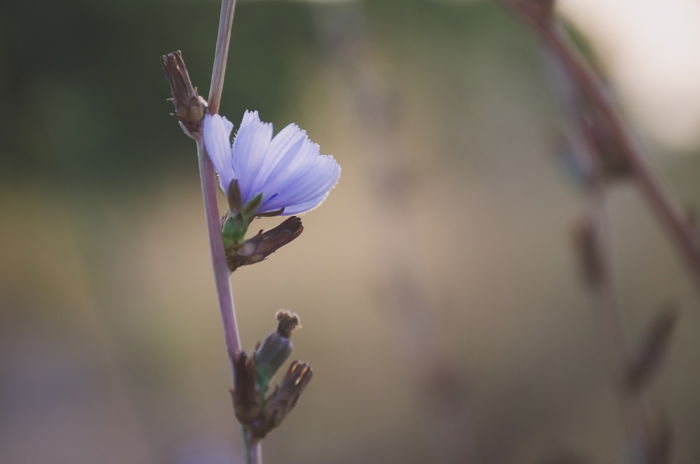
(442, 309)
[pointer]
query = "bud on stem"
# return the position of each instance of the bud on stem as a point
(258, 414)
(189, 106)
(274, 350)
(262, 245)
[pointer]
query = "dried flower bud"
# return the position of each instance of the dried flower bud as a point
(246, 400)
(274, 350)
(258, 414)
(287, 322)
(283, 400)
(264, 244)
(189, 106)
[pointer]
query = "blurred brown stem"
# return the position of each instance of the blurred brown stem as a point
(658, 199)
(594, 241)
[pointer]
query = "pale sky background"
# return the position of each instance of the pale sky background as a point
(652, 51)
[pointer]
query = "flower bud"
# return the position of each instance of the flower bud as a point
(189, 106)
(274, 350)
(246, 400)
(283, 400)
(261, 246)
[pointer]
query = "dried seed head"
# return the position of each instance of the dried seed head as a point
(253, 374)
(246, 400)
(287, 321)
(189, 106)
(284, 399)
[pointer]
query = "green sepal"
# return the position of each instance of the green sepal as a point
(237, 221)
(250, 208)
(233, 196)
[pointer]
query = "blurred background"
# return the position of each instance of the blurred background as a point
(442, 309)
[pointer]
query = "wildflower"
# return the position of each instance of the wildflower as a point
(286, 171)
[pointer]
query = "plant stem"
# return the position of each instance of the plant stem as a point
(667, 213)
(253, 448)
(223, 38)
(218, 255)
(221, 271)
(208, 178)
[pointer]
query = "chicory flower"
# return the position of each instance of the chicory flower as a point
(286, 173)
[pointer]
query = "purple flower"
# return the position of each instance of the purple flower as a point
(287, 169)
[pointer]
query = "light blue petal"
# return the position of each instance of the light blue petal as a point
(305, 207)
(287, 140)
(307, 186)
(249, 147)
(288, 169)
(298, 160)
(217, 133)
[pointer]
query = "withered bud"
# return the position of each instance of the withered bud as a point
(275, 349)
(261, 246)
(287, 321)
(246, 400)
(189, 106)
(646, 360)
(587, 251)
(283, 400)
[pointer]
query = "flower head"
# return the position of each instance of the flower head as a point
(287, 169)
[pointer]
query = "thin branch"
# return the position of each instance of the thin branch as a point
(218, 255)
(190, 109)
(221, 270)
(667, 212)
(223, 38)
(596, 169)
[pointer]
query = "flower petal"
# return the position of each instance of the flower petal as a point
(306, 188)
(249, 147)
(217, 133)
(298, 160)
(288, 170)
(288, 140)
(306, 206)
